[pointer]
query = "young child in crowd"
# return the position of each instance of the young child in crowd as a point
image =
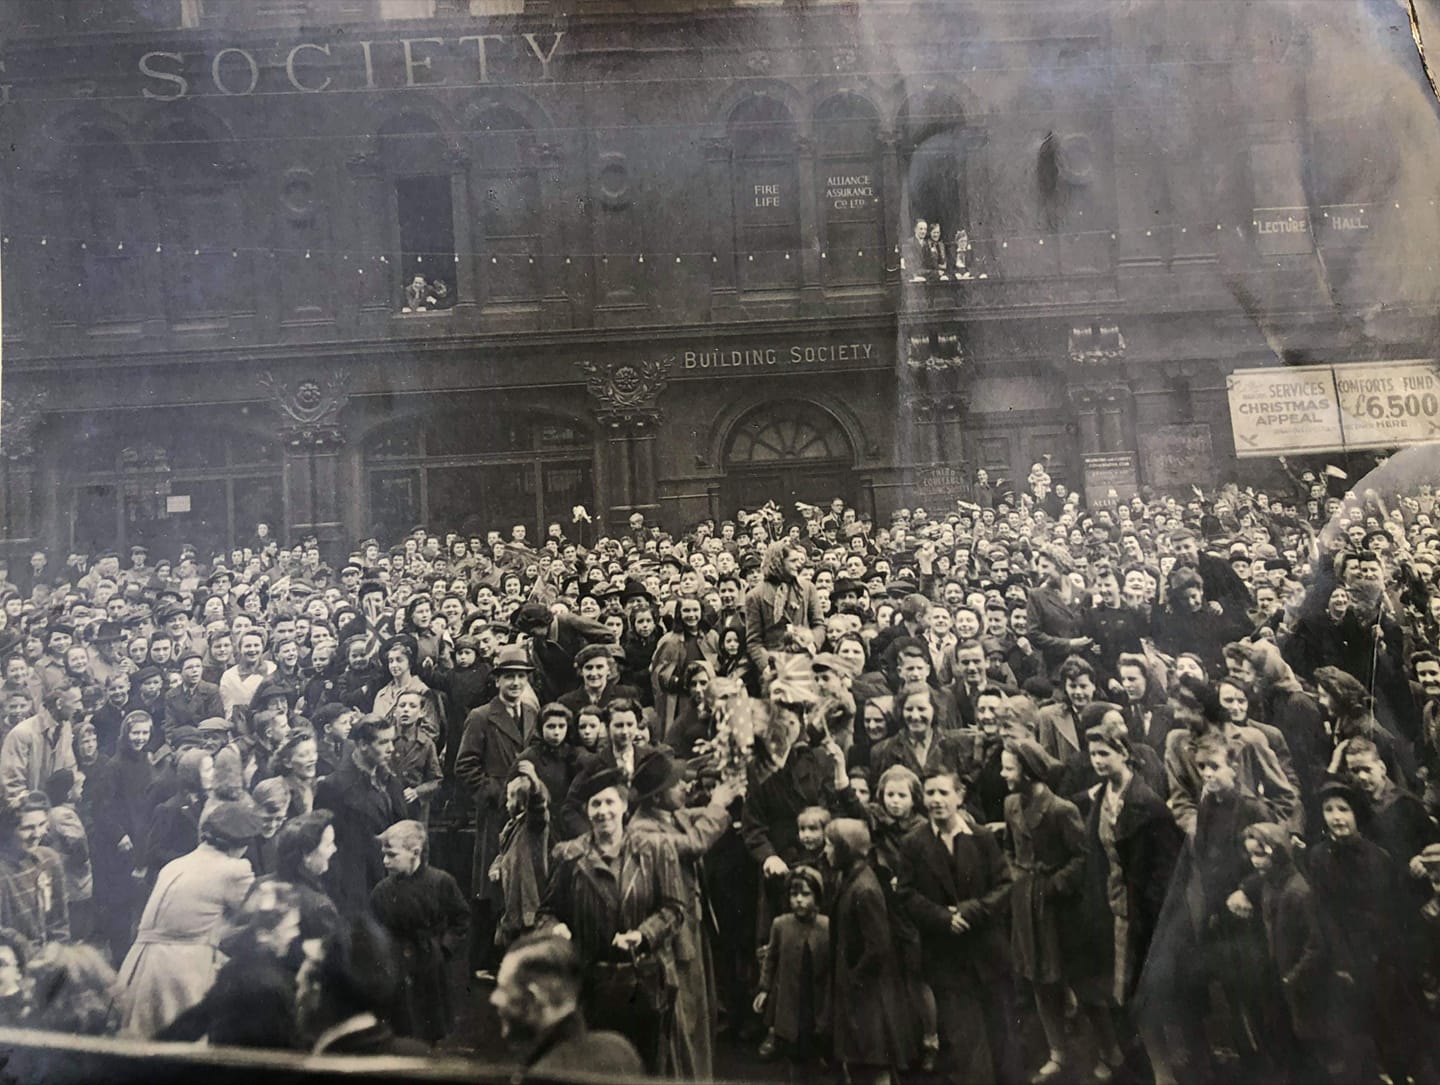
(590, 731)
(895, 815)
(555, 761)
(415, 761)
(795, 978)
(424, 911)
(521, 864)
(67, 836)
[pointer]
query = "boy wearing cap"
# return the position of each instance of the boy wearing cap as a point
(193, 699)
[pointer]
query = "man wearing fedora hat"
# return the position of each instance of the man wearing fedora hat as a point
(494, 735)
(105, 659)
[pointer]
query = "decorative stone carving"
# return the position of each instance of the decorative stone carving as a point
(945, 406)
(625, 393)
(1096, 344)
(20, 415)
(309, 409)
(758, 61)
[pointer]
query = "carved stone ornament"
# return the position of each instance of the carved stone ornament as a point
(19, 418)
(625, 392)
(309, 408)
(938, 406)
(1095, 344)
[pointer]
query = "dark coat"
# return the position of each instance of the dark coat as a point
(1148, 843)
(1294, 931)
(977, 881)
(186, 709)
(1045, 841)
(870, 1023)
(489, 748)
(773, 800)
(362, 811)
(252, 1004)
(427, 916)
(781, 976)
(465, 689)
(569, 1047)
(557, 767)
(174, 830)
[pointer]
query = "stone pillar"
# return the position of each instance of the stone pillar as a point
(20, 416)
(376, 292)
(623, 397)
(724, 300)
(892, 197)
(462, 218)
(307, 413)
(812, 289)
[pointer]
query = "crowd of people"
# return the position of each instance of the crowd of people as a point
(1036, 791)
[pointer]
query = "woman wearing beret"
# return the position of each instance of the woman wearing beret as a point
(621, 895)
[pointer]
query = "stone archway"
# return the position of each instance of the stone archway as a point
(785, 452)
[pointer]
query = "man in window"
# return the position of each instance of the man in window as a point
(915, 258)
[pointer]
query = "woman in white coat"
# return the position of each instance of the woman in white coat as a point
(176, 954)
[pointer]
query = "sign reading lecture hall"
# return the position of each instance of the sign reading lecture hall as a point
(793, 355)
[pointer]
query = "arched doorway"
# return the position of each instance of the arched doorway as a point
(787, 452)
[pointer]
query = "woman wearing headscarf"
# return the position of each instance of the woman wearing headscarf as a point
(621, 895)
(1056, 620)
(1282, 702)
(873, 1035)
(399, 654)
(1350, 709)
(121, 814)
(660, 794)
(296, 764)
(176, 954)
(1131, 847)
(1045, 840)
(86, 745)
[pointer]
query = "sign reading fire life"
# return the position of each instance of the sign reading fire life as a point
(1325, 408)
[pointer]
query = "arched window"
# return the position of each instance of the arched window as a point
(788, 451)
(100, 222)
(847, 180)
(201, 227)
(510, 213)
(766, 194)
(414, 156)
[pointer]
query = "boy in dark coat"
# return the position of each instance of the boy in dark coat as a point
(427, 916)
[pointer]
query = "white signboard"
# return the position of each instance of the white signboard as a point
(1285, 410)
(1390, 404)
(1323, 408)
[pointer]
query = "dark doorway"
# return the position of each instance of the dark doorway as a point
(787, 452)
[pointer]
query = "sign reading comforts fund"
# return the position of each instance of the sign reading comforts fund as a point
(1328, 408)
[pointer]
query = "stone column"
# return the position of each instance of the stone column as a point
(812, 288)
(1115, 430)
(307, 411)
(376, 292)
(20, 417)
(892, 198)
(724, 302)
(623, 398)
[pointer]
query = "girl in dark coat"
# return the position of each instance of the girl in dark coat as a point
(1132, 845)
(1363, 897)
(1045, 840)
(121, 816)
(427, 915)
(795, 977)
(873, 1035)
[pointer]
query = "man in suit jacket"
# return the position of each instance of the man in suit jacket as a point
(537, 999)
(494, 735)
(193, 699)
(366, 798)
(619, 750)
(954, 884)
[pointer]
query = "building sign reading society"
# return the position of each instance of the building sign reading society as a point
(311, 67)
(858, 354)
(1324, 408)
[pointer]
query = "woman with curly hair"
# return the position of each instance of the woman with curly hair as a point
(1350, 709)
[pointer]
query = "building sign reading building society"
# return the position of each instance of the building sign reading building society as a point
(1326, 408)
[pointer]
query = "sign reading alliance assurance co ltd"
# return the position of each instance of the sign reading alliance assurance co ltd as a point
(1330, 408)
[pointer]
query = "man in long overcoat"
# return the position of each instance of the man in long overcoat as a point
(494, 735)
(366, 798)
